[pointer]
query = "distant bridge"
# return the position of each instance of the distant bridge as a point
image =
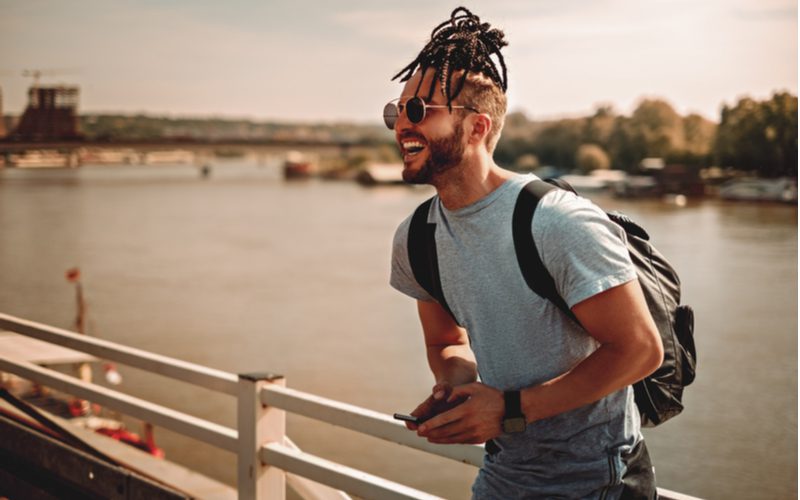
(200, 146)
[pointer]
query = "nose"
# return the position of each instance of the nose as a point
(402, 123)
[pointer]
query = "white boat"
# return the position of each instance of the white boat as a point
(585, 184)
(170, 156)
(39, 159)
(381, 173)
(783, 190)
(91, 156)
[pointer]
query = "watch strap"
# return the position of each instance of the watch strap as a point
(513, 404)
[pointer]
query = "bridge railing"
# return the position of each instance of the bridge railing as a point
(266, 458)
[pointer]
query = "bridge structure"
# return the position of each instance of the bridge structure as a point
(203, 151)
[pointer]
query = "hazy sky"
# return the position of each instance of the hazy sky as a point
(304, 60)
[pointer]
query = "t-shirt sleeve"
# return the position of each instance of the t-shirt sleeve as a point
(402, 277)
(580, 246)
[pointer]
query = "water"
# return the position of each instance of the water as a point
(244, 272)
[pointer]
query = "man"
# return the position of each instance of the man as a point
(571, 384)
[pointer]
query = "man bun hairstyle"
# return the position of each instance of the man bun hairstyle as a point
(461, 44)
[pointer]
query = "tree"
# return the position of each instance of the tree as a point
(526, 163)
(759, 136)
(625, 145)
(599, 126)
(659, 127)
(699, 135)
(591, 157)
(558, 142)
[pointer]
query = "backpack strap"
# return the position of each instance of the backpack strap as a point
(422, 255)
(533, 269)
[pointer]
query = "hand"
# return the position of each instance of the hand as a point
(474, 421)
(431, 406)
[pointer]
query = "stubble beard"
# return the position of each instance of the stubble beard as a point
(443, 154)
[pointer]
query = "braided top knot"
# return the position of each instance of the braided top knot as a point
(461, 43)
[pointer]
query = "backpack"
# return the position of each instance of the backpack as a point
(658, 396)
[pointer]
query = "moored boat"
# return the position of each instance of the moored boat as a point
(783, 190)
(375, 174)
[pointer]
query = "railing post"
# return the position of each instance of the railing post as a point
(258, 425)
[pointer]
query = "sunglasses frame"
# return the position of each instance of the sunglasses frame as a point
(398, 109)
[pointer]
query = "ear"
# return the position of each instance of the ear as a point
(481, 125)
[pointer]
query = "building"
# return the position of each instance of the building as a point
(2, 118)
(51, 114)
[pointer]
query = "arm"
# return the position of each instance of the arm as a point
(630, 349)
(449, 356)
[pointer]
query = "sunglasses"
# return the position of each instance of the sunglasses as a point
(415, 109)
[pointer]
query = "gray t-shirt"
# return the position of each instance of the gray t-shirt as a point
(520, 339)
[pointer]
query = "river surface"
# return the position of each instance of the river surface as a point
(245, 272)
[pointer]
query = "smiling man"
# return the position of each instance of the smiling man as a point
(554, 402)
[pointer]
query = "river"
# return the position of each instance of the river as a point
(245, 272)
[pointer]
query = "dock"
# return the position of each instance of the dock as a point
(268, 462)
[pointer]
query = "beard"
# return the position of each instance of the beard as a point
(443, 155)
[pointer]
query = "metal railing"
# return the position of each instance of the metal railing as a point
(266, 458)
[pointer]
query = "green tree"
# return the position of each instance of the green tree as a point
(759, 136)
(625, 145)
(558, 142)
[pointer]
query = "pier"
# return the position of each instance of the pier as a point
(267, 459)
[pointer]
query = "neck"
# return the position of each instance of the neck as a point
(476, 177)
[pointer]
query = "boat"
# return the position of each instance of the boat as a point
(181, 156)
(637, 186)
(298, 166)
(375, 174)
(782, 190)
(585, 184)
(97, 156)
(76, 411)
(39, 159)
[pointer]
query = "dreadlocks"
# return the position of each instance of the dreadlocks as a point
(462, 43)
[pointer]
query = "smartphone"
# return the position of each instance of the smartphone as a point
(407, 418)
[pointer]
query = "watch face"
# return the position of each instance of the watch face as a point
(514, 425)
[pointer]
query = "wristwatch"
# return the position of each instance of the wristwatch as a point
(513, 420)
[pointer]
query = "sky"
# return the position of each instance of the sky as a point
(330, 61)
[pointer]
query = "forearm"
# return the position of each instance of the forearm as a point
(607, 370)
(452, 364)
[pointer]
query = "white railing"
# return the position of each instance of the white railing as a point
(266, 458)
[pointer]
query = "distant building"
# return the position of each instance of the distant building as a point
(2, 119)
(51, 114)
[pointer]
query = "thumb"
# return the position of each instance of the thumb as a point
(461, 392)
(441, 390)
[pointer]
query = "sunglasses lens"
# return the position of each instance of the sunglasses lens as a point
(390, 115)
(415, 110)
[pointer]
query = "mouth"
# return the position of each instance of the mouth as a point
(411, 148)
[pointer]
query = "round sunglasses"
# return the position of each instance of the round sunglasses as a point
(415, 109)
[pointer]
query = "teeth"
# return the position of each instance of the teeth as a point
(413, 146)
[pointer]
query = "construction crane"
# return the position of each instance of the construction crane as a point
(37, 74)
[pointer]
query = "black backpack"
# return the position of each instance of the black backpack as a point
(658, 396)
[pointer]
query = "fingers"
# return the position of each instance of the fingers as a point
(463, 391)
(454, 431)
(437, 425)
(474, 420)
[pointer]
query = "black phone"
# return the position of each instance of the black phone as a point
(407, 418)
